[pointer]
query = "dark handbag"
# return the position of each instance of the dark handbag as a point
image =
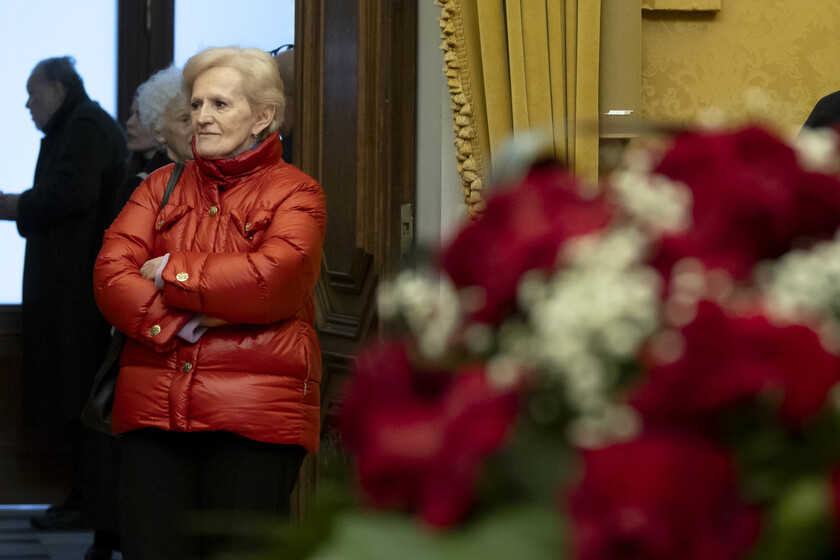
(97, 411)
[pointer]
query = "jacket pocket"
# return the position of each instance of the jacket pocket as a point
(169, 215)
(252, 223)
(171, 224)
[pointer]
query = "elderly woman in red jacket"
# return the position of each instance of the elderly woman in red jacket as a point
(217, 398)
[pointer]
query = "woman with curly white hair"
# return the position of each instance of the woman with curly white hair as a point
(165, 111)
(162, 108)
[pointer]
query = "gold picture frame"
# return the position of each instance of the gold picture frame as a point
(682, 5)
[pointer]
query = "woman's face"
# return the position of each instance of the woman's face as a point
(177, 130)
(138, 137)
(223, 121)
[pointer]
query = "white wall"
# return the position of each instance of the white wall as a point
(440, 205)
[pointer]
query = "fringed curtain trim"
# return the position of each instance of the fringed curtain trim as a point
(466, 143)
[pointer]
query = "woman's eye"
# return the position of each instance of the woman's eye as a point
(220, 104)
(195, 106)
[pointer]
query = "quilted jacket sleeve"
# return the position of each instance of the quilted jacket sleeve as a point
(128, 301)
(265, 285)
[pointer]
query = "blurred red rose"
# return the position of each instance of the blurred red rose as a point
(752, 201)
(522, 229)
(419, 438)
(660, 497)
(728, 359)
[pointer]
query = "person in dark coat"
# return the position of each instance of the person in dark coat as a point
(826, 112)
(64, 336)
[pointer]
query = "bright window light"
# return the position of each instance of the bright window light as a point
(211, 23)
(30, 32)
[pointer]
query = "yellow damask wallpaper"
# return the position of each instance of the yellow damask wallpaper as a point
(754, 57)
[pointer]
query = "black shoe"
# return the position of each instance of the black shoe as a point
(95, 553)
(58, 518)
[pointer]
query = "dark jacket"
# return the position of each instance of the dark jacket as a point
(826, 112)
(64, 336)
(119, 182)
(244, 237)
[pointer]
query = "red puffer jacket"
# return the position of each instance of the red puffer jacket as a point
(244, 237)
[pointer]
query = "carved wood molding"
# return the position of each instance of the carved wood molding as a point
(352, 280)
(351, 322)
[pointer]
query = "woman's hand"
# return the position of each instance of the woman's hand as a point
(149, 271)
(9, 206)
(150, 267)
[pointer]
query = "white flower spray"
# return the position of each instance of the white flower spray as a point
(582, 323)
(817, 150)
(804, 287)
(429, 305)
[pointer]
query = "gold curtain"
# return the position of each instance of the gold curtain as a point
(515, 66)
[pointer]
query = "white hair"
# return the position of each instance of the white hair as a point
(154, 95)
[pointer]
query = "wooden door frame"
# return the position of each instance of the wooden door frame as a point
(386, 133)
(385, 179)
(145, 44)
(385, 139)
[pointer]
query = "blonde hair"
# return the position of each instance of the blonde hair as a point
(260, 79)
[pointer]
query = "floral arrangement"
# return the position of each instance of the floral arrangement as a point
(643, 369)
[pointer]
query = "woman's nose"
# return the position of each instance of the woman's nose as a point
(203, 114)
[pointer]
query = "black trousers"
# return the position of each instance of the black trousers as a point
(167, 477)
(101, 475)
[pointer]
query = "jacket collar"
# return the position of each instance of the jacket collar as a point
(158, 159)
(70, 103)
(266, 152)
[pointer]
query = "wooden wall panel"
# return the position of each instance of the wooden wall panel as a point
(357, 65)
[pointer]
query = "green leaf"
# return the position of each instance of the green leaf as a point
(799, 525)
(524, 533)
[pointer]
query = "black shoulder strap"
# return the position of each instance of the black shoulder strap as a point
(170, 186)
